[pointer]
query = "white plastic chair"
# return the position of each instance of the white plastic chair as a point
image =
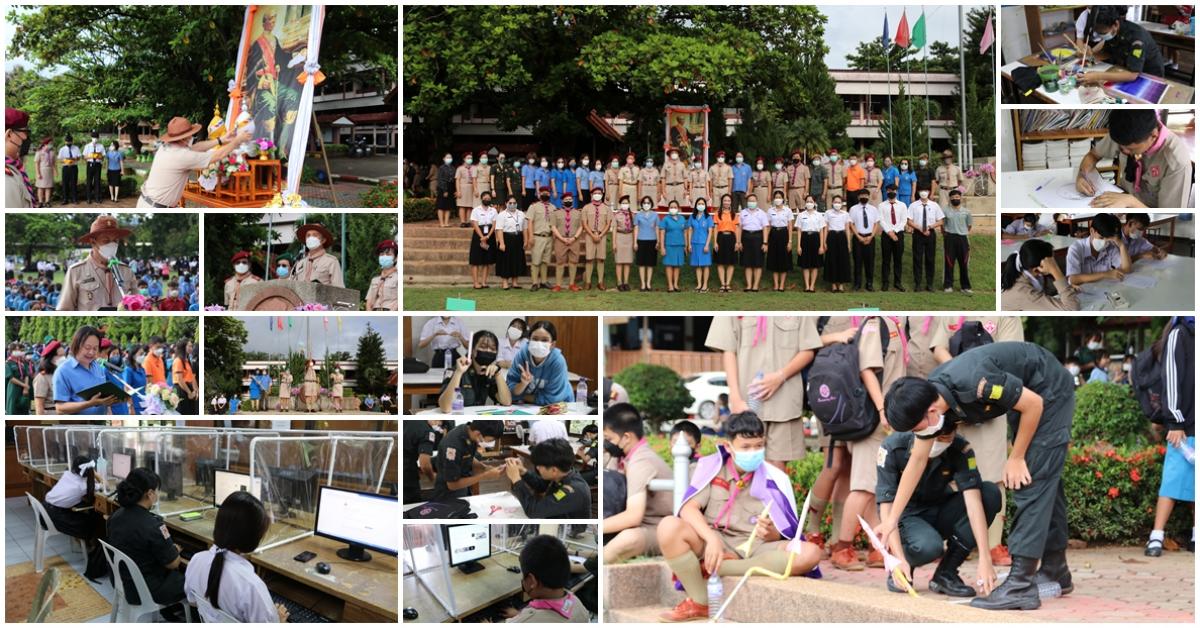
(207, 610)
(43, 530)
(123, 611)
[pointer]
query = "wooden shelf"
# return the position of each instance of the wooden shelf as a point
(1062, 134)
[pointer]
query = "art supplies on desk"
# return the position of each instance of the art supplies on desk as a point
(1145, 88)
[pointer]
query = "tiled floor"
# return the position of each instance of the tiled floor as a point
(19, 542)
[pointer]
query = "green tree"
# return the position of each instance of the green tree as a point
(224, 235)
(371, 375)
(980, 87)
(28, 233)
(223, 356)
(902, 130)
(657, 391)
(168, 235)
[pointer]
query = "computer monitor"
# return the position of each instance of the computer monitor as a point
(363, 520)
(148, 458)
(170, 474)
(468, 544)
(226, 482)
(121, 465)
(204, 473)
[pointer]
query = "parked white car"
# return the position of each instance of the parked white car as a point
(705, 387)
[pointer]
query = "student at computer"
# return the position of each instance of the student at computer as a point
(145, 538)
(545, 569)
(223, 576)
(77, 489)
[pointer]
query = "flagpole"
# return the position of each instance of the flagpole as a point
(962, 78)
(925, 47)
(888, 64)
(908, 105)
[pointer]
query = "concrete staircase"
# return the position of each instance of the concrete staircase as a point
(639, 591)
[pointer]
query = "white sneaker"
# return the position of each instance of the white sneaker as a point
(948, 290)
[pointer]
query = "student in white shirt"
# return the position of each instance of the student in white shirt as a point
(546, 429)
(223, 576)
(446, 335)
(515, 337)
(483, 240)
(924, 217)
(76, 489)
(810, 242)
(837, 245)
(893, 219)
(864, 220)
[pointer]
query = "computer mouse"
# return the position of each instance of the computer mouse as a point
(410, 613)
(323, 568)
(514, 569)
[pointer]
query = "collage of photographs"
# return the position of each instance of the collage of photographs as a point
(945, 368)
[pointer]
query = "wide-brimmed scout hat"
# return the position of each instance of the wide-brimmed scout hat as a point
(104, 225)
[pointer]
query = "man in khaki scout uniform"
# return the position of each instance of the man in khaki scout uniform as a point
(484, 181)
(779, 181)
(597, 222)
(465, 197)
(874, 181)
(176, 159)
(835, 174)
(779, 347)
(760, 184)
(539, 238)
(921, 330)
(612, 180)
(649, 182)
(629, 175)
(383, 293)
(697, 186)
(317, 265)
(99, 281)
(241, 277)
(720, 180)
(674, 179)
(1154, 165)
(990, 441)
(950, 176)
(797, 182)
(568, 231)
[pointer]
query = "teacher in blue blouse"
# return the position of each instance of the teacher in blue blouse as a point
(539, 371)
(80, 372)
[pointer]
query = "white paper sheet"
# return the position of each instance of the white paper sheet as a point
(1059, 192)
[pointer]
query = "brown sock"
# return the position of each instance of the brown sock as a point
(687, 569)
(816, 511)
(837, 521)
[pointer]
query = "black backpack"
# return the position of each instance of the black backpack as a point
(1026, 79)
(413, 365)
(970, 334)
(835, 391)
(452, 508)
(615, 490)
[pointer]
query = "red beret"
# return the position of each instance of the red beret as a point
(720, 153)
(483, 153)
(385, 245)
(568, 195)
(105, 343)
(615, 156)
(15, 118)
(544, 188)
(239, 255)
(468, 154)
(630, 154)
(869, 156)
(779, 160)
(51, 348)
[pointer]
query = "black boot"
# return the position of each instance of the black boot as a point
(1018, 592)
(945, 579)
(1054, 569)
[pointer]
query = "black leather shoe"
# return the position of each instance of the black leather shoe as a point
(1154, 548)
(1018, 592)
(1054, 569)
(945, 579)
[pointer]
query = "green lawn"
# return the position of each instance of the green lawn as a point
(983, 282)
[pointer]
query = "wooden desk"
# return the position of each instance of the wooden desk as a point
(472, 592)
(1177, 93)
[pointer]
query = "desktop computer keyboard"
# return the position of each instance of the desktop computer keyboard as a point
(298, 614)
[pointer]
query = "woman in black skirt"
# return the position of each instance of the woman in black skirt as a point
(779, 241)
(77, 489)
(837, 246)
(810, 226)
(483, 239)
(645, 233)
(726, 245)
(510, 239)
(754, 247)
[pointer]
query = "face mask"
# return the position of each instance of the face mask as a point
(487, 444)
(587, 161)
(695, 165)
(956, 202)
(567, 202)
(720, 160)
(673, 211)
(597, 197)
(749, 460)
(515, 333)
(599, 166)
(158, 352)
(891, 195)
(837, 205)
(1099, 245)
(816, 162)
(511, 207)
(1029, 227)
(539, 349)
(17, 354)
(486, 202)
(559, 164)
(646, 206)
(649, 164)
(674, 156)
(25, 144)
(108, 251)
(778, 202)
(468, 161)
(281, 271)
(779, 166)
(1094, 345)
(530, 160)
(572, 164)
(386, 261)
(752, 204)
(701, 207)
(932, 429)
(174, 293)
(795, 159)
(758, 166)
(922, 162)
(833, 158)
(1107, 36)
(862, 200)
(616, 164)
(1135, 234)
(904, 166)
(810, 206)
(924, 193)
(1073, 370)
(59, 360)
(870, 164)
(500, 158)
(624, 207)
(485, 358)
(853, 161)
(312, 242)
(544, 197)
(447, 161)
(483, 160)
(938, 448)
(613, 450)
(115, 360)
(545, 164)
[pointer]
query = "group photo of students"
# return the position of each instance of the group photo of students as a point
(201, 521)
(500, 469)
(975, 450)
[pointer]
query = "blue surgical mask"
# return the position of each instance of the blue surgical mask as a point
(282, 271)
(386, 261)
(749, 460)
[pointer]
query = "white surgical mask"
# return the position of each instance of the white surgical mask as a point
(241, 269)
(1094, 345)
(158, 351)
(515, 333)
(904, 166)
(108, 251)
(539, 349)
(674, 156)
(739, 159)
(483, 160)
(701, 207)
(174, 293)
(1099, 244)
(837, 205)
(448, 161)
(624, 206)
(932, 429)
(312, 242)
(720, 160)
(616, 164)
(752, 204)
(779, 202)
(545, 163)
(1135, 234)
(587, 161)
(469, 160)
(810, 206)
(673, 211)
(938, 448)
(598, 197)
(646, 206)
(1073, 370)
(487, 444)
(870, 164)
(922, 162)
(924, 193)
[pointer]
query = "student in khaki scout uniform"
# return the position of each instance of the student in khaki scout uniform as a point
(949, 176)
(1024, 278)
(835, 176)
(760, 182)
(697, 183)
(464, 189)
(18, 191)
(612, 181)
(634, 527)
(797, 182)
(780, 181)
(990, 439)
(382, 295)
(629, 176)
(284, 404)
(778, 347)
(317, 265)
(597, 222)
(241, 277)
(539, 238)
(546, 568)
(674, 179)
(568, 230)
(483, 181)
(878, 371)
(623, 243)
(1153, 164)
(650, 182)
(920, 331)
(720, 178)
(94, 283)
(874, 180)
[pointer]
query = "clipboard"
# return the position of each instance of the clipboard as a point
(107, 389)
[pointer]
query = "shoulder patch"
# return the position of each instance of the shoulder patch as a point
(165, 532)
(451, 453)
(881, 457)
(431, 437)
(996, 391)
(559, 495)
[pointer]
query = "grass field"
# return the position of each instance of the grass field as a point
(982, 272)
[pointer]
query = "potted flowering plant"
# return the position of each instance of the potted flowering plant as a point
(266, 147)
(160, 400)
(135, 303)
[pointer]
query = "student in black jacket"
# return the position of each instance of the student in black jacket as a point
(1176, 349)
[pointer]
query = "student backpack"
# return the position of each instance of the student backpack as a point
(836, 393)
(970, 334)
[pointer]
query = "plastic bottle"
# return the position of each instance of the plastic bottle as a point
(456, 406)
(1188, 452)
(716, 593)
(581, 390)
(754, 402)
(1048, 590)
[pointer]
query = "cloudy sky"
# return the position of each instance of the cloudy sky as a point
(275, 341)
(849, 25)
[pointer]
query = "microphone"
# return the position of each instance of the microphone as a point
(113, 265)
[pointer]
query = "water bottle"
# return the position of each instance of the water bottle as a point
(1187, 452)
(581, 391)
(716, 592)
(447, 364)
(1048, 590)
(754, 402)
(456, 406)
